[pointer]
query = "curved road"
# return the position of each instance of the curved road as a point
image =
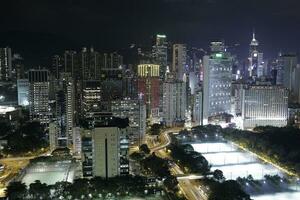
(190, 189)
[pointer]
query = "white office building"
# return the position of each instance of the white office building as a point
(264, 105)
(105, 152)
(217, 82)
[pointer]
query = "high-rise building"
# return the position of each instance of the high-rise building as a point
(71, 63)
(198, 108)
(18, 71)
(179, 60)
(148, 88)
(174, 102)
(296, 85)
(91, 98)
(135, 111)
(217, 82)
(130, 84)
(111, 84)
(288, 75)
(255, 60)
(65, 110)
(264, 105)
(105, 151)
(112, 60)
(5, 64)
(90, 64)
(57, 66)
(23, 92)
(160, 53)
(39, 95)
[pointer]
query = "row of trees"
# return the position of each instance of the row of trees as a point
(190, 160)
(281, 145)
(82, 189)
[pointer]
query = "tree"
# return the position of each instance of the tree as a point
(5, 128)
(157, 165)
(136, 156)
(155, 129)
(16, 191)
(144, 148)
(218, 175)
(60, 189)
(39, 190)
(228, 190)
(79, 187)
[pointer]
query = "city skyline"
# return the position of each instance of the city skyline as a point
(150, 99)
(39, 29)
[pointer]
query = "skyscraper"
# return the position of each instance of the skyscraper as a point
(91, 98)
(5, 64)
(57, 66)
(135, 111)
(198, 108)
(65, 110)
(90, 64)
(71, 63)
(174, 101)
(179, 60)
(105, 151)
(255, 60)
(217, 82)
(23, 92)
(160, 53)
(288, 75)
(148, 87)
(39, 95)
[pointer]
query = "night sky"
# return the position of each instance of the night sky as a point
(40, 28)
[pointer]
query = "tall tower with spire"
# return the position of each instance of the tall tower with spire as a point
(254, 44)
(255, 59)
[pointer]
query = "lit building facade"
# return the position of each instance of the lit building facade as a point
(256, 67)
(148, 88)
(91, 97)
(23, 92)
(5, 64)
(264, 105)
(174, 101)
(288, 75)
(105, 152)
(39, 108)
(135, 111)
(65, 110)
(160, 53)
(179, 60)
(198, 108)
(217, 82)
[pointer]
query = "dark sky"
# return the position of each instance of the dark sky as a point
(37, 28)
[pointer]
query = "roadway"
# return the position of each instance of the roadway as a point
(189, 188)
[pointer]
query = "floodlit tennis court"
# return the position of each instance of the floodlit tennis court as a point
(235, 163)
(49, 173)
